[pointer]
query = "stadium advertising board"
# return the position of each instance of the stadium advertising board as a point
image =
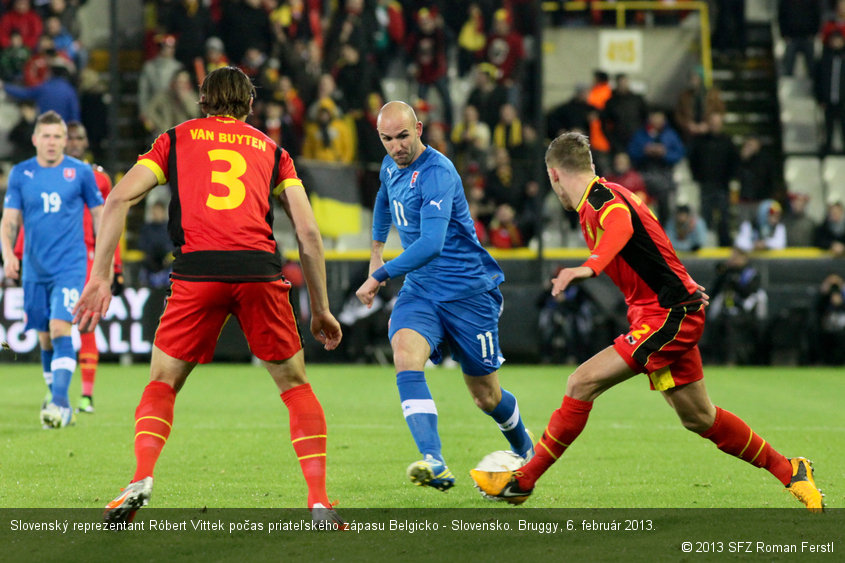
(120, 332)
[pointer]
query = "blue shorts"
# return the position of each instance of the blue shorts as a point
(44, 301)
(470, 326)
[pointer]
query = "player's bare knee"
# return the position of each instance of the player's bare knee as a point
(697, 422)
(580, 385)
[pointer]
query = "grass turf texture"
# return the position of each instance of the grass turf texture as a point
(230, 444)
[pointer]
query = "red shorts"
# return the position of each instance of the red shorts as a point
(664, 344)
(195, 313)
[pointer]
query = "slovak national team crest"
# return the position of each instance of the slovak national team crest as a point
(414, 178)
(69, 174)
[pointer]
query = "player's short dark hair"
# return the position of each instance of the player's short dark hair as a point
(570, 151)
(50, 117)
(226, 91)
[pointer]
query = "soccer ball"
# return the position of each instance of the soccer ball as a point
(502, 460)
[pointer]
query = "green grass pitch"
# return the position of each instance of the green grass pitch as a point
(230, 444)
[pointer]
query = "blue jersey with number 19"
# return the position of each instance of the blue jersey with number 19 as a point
(419, 199)
(51, 201)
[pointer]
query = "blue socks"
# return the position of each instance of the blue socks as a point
(420, 411)
(46, 368)
(506, 414)
(62, 366)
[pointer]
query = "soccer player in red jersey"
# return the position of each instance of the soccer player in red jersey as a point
(666, 316)
(222, 175)
(89, 355)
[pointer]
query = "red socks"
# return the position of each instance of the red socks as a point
(308, 436)
(153, 421)
(734, 437)
(566, 424)
(89, 357)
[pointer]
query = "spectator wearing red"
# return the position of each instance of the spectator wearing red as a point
(835, 24)
(504, 232)
(504, 49)
(23, 19)
(426, 48)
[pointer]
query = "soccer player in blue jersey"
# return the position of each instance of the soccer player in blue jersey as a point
(450, 294)
(48, 194)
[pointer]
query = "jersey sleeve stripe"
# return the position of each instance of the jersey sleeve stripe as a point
(285, 184)
(156, 169)
(611, 208)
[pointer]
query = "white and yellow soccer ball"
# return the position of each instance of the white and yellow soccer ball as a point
(502, 460)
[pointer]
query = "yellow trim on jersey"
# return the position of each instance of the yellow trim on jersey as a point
(308, 438)
(611, 208)
(151, 434)
(154, 418)
(587, 191)
(285, 184)
(662, 379)
(155, 168)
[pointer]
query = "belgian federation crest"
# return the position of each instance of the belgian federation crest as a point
(69, 174)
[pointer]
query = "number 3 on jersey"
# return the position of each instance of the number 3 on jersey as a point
(231, 179)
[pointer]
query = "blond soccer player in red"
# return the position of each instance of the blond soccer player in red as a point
(666, 316)
(222, 175)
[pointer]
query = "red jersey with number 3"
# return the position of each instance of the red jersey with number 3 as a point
(645, 268)
(222, 175)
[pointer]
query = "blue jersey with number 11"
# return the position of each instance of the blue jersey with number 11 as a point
(431, 189)
(51, 201)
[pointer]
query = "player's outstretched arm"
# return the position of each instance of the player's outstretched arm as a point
(9, 227)
(94, 301)
(324, 326)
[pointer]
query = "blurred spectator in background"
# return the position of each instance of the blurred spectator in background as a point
(694, 104)
(253, 63)
(191, 22)
(215, 56)
(504, 183)
(353, 23)
(21, 134)
(765, 232)
(158, 72)
(64, 42)
(328, 138)
(173, 106)
(25, 20)
(655, 149)
(759, 176)
(13, 58)
(480, 227)
(428, 66)
(488, 96)
(68, 13)
(505, 51)
(800, 229)
(326, 90)
(508, 131)
(830, 235)
(390, 34)
(56, 93)
(597, 98)
(708, 148)
(686, 230)
(738, 312)
(566, 325)
(277, 123)
(370, 150)
(154, 242)
(830, 87)
(471, 138)
(624, 113)
(572, 115)
(836, 23)
(625, 174)
(37, 69)
(355, 78)
(503, 230)
(799, 21)
(471, 39)
(284, 92)
(830, 321)
(246, 24)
